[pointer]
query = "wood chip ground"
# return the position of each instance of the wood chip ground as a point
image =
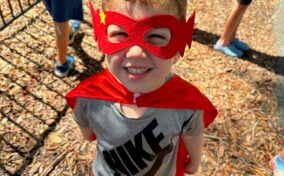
(38, 136)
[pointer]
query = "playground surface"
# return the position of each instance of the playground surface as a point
(39, 137)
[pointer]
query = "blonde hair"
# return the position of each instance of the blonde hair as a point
(180, 6)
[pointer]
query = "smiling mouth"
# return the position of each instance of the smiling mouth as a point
(137, 70)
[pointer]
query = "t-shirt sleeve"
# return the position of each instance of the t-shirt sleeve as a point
(193, 126)
(80, 113)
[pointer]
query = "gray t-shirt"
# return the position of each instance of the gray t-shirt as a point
(144, 146)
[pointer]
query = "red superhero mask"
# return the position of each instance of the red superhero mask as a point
(181, 32)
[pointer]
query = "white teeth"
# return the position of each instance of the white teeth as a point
(136, 71)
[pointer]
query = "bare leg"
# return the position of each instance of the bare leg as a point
(242, 9)
(62, 31)
(232, 23)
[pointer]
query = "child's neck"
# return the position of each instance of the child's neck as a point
(132, 111)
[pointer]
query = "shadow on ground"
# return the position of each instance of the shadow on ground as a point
(271, 63)
(8, 113)
(91, 65)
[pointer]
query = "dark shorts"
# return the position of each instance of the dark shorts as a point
(244, 2)
(64, 10)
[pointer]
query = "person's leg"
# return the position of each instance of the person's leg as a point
(234, 41)
(62, 31)
(232, 23)
(227, 42)
(62, 11)
(74, 28)
(237, 26)
(64, 62)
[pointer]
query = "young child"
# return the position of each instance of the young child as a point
(277, 163)
(228, 43)
(62, 11)
(145, 118)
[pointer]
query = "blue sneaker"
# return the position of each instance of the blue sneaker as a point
(75, 26)
(62, 70)
(240, 45)
(229, 50)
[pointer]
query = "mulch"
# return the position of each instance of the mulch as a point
(39, 137)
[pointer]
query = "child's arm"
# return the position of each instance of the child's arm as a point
(193, 146)
(82, 119)
(87, 134)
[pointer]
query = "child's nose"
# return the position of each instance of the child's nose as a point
(136, 51)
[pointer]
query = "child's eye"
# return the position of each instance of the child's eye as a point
(158, 37)
(117, 37)
(116, 34)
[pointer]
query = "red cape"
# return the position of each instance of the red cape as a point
(177, 94)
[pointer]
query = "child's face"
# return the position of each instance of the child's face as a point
(135, 67)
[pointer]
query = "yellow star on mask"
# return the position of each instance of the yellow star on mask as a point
(103, 17)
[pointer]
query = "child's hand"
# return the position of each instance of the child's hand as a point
(191, 168)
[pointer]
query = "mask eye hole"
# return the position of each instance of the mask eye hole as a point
(158, 37)
(116, 34)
